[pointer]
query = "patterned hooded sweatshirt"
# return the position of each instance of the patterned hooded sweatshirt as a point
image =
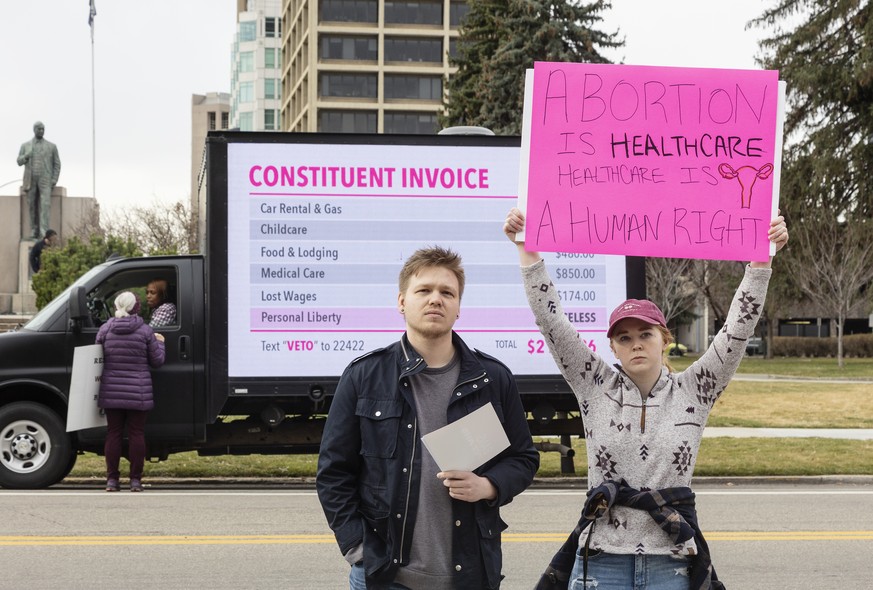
(649, 442)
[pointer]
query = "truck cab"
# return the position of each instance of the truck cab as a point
(35, 449)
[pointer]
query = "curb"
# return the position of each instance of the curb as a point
(727, 481)
(542, 483)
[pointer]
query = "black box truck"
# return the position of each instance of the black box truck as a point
(303, 238)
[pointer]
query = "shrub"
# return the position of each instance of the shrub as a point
(60, 267)
(854, 345)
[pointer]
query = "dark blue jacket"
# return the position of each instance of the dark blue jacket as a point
(369, 466)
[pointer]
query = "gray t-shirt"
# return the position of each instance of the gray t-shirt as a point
(430, 557)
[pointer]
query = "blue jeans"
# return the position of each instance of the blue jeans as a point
(358, 579)
(610, 571)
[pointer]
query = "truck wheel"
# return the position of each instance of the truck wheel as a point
(34, 447)
(71, 462)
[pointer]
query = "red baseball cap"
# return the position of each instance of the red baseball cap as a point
(641, 309)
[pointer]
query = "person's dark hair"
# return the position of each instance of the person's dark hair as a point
(49, 233)
(433, 256)
(161, 287)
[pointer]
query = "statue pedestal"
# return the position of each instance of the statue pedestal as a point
(24, 302)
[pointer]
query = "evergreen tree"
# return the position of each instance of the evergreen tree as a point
(500, 40)
(60, 267)
(827, 63)
(477, 42)
(823, 49)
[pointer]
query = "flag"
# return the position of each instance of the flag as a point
(91, 14)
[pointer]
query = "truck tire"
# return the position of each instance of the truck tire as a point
(35, 450)
(71, 462)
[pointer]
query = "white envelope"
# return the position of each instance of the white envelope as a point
(469, 442)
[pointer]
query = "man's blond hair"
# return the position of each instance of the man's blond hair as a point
(432, 257)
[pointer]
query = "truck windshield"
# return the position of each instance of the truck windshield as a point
(47, 313)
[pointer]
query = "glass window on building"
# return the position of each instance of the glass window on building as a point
(270, 88)
(246, 92)
(270, 57)
(416, 49)
(246, 122)
(247, 31)
(270, 119)
(405, 122)
(332, 121)
(247, 61)
(453, 47)
(348, 11)
(413, 87)
(412, 12)
(224, 120)
(458, 9)
(210, 117)
(272, 27)
(351, 47)
(347, 85)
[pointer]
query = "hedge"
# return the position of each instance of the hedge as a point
(854, 345)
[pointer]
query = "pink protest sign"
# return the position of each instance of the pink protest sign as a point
(652, 161)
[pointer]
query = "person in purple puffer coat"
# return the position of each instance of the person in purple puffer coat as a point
(130, 347)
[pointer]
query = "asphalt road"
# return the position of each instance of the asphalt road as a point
(763, 537)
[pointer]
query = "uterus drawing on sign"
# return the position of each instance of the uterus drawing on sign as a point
(747, 176)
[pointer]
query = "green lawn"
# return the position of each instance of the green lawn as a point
(779, 404)
(809, 404)
(854, 368)
(759, 456)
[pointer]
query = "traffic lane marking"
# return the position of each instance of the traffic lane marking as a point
(162, 493)
(29, 540)
(92, 540)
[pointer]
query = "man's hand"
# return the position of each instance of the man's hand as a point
(467, 486)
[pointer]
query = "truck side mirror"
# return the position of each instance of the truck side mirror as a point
(78, 310)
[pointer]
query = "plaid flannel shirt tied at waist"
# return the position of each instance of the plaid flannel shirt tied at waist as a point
(673, 509)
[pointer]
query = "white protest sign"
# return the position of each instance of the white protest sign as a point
(82, 410)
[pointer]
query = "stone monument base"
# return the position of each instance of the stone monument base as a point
(69, 215)
(24, 302)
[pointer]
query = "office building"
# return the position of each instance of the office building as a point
(209, 112)
(256, 66)
(371, 66)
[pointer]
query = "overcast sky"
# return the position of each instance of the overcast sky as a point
(150, 57)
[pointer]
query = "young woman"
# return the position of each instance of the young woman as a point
(643, 426)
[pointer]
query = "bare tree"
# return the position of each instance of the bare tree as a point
(89, 225)
(156, 229)
(716, 281)
(668, 283)
(833, 264)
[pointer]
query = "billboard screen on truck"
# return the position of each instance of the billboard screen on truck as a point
(317, 231)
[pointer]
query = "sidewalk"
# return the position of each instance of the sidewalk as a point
(847, 433)
(783, 379)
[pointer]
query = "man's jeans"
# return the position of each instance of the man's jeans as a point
(357, 579)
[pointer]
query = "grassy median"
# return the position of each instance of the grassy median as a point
(757, 404)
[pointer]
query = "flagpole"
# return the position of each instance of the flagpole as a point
(91, 19)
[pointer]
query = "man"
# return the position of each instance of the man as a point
(398, 520)
(42, 167)
(50, 239)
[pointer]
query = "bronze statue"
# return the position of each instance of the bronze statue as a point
(42, 167)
